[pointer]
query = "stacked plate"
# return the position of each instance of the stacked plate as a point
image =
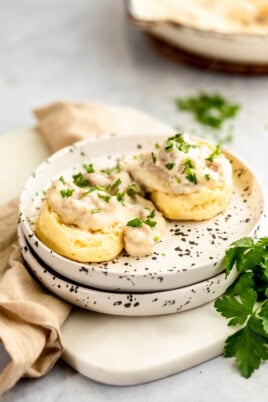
(185, 269)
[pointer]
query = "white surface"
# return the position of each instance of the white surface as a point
(83, 50)
(133, 350)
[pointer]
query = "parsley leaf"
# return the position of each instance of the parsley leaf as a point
(215, 153)
(249, 345)
(112, 170)
(113, 187)
(237, 309)
(189, 171)
(104, 197)
(95, 211)
(93, 188)
(169, 146)
(169, 166)
(153, 157)
(248, 348)
(245, 281)
(120, 197)
(135, 223)
(264, 316)
(133, 189)
(79, 180)
(179, 141)
(152, 214)
(62, 180)
(67, 193)
(89, 168)
(235, 254)
(191, 176)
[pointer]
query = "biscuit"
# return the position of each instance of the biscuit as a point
(75, 243)
(197, 206)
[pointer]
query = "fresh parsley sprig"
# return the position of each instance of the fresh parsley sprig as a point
(208, 109)
(245, 303)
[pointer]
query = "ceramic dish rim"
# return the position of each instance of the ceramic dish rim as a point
(152, 23)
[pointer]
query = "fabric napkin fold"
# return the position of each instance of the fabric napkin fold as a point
(30, 316)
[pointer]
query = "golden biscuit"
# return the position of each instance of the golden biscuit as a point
(75, 243)
(197, 206)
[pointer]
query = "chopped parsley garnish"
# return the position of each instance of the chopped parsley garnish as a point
(117, 183)
(149, 222)
(93, 188)
(208, 109)
(112, 170)
(245, 303)
(169, 146)
(207, 177)
(133, 189)
(79, 180)
(151, 214)
(215, 153)
(120, 197)
(169, 166)
(95, 211)
(89, 168)
(113, 187)
(191, 176)
(67, 193)
(137, 222)
(188, 163)
(181, 144)
(178, 180)
(156, 238)
(189, 171)
(62, 180)
(104, 197)
(153, 157)
(156, 145)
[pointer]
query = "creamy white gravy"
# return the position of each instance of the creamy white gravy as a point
(181, 166)
(218, 15)
(95, 201)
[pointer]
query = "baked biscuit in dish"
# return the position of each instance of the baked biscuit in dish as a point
(188, 178)
(94, 215)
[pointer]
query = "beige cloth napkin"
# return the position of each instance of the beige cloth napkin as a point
(30, 317)
(63, 123)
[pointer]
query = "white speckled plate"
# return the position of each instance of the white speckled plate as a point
(188, 253)
(129, 304)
